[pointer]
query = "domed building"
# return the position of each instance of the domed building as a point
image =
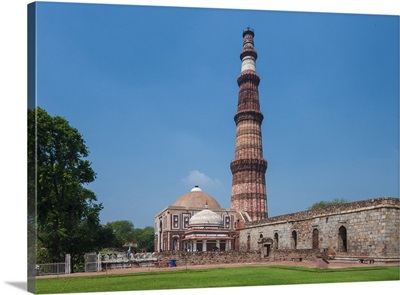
(206, 232)
(197, 198)
(194, 222)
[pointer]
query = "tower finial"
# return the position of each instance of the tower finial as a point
(248, 30)
(248, 55)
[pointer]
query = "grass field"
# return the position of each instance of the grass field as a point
(217, 277)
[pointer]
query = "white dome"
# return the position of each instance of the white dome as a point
(206, 217)
(196, 189)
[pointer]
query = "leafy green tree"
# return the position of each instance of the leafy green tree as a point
(145, 239)
(323, 204)
(123, 231)
(67, 219)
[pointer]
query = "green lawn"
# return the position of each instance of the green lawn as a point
(217, 277)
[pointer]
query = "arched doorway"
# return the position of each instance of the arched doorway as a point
(276, 240)
(342, 239)
(294, 239)
(175, 244)
(315, 239)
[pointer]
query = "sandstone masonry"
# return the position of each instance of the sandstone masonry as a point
(367, 228)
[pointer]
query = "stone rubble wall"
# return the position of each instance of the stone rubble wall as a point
(121, 260)
(297, 255)
(372, 229)
(222, 257)
(163, 259)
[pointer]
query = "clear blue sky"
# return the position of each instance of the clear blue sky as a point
(153, 92)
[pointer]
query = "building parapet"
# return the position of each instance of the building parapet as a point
(345, 208)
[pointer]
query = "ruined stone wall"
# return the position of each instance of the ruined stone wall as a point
(221, 257)
(296, 255)
(371, 229)
(206, 258)
(122, 260)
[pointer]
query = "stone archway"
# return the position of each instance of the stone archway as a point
(342, 239)
(294, 239)
(265, 246)
(315, 239)
(175, 244)
(276, 240)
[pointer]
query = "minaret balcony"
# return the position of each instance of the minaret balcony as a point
(250, 115)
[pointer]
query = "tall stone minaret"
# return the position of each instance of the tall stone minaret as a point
(249, 193)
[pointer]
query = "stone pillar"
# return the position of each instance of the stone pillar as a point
(262, 250)
(194, 246)
(99, 262)
(68, 264)
(204, 245)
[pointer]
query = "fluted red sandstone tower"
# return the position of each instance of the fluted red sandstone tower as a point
(248, 168)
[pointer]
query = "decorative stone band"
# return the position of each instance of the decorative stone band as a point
(247, 196)
(248, 131)
(248, 76)
(248, 52)
(249, 146)
(249, 115)
(259, 165)
(242, 184)
(248, 100)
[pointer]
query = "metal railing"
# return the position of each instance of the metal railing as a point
(92, 262)
(50, 269)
